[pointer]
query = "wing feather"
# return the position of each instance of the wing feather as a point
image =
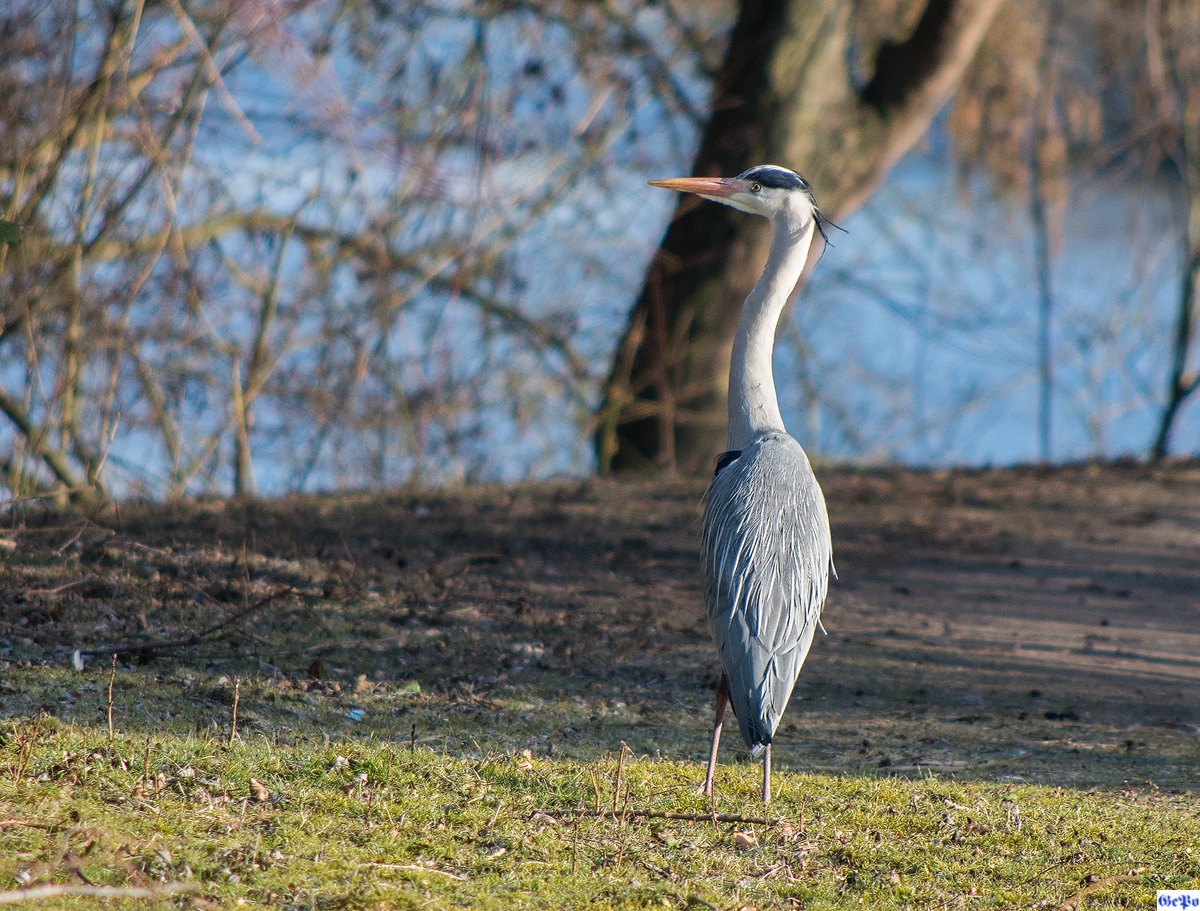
(767, 555)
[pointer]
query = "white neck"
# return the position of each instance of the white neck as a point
(753, 407)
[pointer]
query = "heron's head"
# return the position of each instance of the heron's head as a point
(767, 190)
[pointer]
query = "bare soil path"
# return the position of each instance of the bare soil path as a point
(1029, 624)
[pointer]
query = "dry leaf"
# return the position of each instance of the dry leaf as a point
(259, 791)
(542, 817)
(499, 852)
(527, 753)
(895, 878)
(745, 839)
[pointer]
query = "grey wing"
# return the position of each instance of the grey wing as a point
(767, 554)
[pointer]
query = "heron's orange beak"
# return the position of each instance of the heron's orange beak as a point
(720, 187)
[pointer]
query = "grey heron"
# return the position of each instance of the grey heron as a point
(766, 546)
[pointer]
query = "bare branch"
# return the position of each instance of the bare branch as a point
(54, 459)
(944, 42)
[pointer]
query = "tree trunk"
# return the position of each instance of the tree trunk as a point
(1184, 378)
(785, 96)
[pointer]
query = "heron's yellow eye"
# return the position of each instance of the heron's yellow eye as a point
(755, 187)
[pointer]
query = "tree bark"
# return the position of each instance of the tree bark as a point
(785, 95)
(1184, 377)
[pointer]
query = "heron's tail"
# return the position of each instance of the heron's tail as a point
(758, 749)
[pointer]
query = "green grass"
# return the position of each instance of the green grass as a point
(477, 659)
(364, 824)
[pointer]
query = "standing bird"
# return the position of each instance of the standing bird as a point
(766, 548)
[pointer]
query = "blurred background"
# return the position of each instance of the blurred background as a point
(306, 245)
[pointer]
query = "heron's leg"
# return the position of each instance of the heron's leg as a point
(767, 776)
(722, 698)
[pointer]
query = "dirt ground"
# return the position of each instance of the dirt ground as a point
(1028, 625)
(1081, 583)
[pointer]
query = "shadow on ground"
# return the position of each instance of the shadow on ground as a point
(1024, 624)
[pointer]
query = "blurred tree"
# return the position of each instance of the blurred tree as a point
(1173, 67)
(1116, 93)
(789, 93)
(285, 235)
(316, 245)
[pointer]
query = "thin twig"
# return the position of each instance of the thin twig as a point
(495, 816)
(472, 558)
(237, 692)
(575, 844)
(1020, 754)
(62, 588)
(620, 769)
(1073, 903)
(665, 874)
(415, 868)
(26, 742)
(112, 678)
(54, 891)
(152, 647)
(214, 71)
(668, 814)
(1054, 866)
(59, 551)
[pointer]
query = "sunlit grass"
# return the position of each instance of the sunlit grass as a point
(364, 824)
(432, 698)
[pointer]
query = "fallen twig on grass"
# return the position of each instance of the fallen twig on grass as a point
(995, 763)
(55, 891)
(154, 647)
(416, 868)
(112, 678)
(58, 590)
(1054, 866)
(1072, 903)
(617, 789)
(668, 814)
(237, 692)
